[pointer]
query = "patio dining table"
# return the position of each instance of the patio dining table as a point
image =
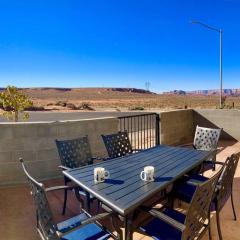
(124, 191)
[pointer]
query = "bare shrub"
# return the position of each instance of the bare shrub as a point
(72, 106)
(86, 106)
(136, 108)
(61, 103)
(34, 108)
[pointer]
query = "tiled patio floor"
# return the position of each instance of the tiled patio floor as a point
(17, 218)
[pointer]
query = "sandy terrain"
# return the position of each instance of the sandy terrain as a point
(107, 99)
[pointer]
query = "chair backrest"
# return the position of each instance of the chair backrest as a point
(117, 144)
(224, 187)
(206, 138)
(45, 224)
(199, 209)
(75, 152)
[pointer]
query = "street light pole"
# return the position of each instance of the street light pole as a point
(220, 55)
(221, 83)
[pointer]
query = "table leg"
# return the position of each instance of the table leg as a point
(128, 229)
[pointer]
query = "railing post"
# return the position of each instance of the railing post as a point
(142, 129)
(157, 133)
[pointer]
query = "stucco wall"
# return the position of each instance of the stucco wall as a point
(227, 119)
(35, 142)
(176, 127)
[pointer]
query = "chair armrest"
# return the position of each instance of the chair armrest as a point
(64, 168)
(219, 163)
(215, 162)
(218, 187)
(85, 222)
(55, 188)
(165, 218)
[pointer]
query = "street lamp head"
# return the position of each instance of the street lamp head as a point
(220, 33)
(206, 26)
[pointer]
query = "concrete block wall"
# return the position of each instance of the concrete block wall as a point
(35, 142)
(176, 127)
(228, 119)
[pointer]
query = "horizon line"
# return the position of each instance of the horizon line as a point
(147, 90)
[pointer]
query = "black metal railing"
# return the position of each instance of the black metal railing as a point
(143, 129)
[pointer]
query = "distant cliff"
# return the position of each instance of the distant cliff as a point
(131, 90)
(227, 92)
(51, 91)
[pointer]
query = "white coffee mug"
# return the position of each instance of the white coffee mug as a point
(100, 174)
(147, 174)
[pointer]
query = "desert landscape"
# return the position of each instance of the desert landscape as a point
(120, 99)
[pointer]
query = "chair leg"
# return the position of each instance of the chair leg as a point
(65, 201)
(170, 202)
(88, 202)
(66, 180)
(218, 225)
(98, 206)
(214, 160)
(234, 213)
(209, 233)
(214, 167)
(76, 191)
(209, 227)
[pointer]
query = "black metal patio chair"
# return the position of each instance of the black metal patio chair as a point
(118, 144)
(206, 139)
(169, 223)
(82, 226)
(185, 190)
(75, 153)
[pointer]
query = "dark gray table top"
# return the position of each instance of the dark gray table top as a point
(124, 191)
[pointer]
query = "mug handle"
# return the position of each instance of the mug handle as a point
(106, 174)
(141, 176)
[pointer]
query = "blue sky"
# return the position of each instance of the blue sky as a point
(112, 43)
